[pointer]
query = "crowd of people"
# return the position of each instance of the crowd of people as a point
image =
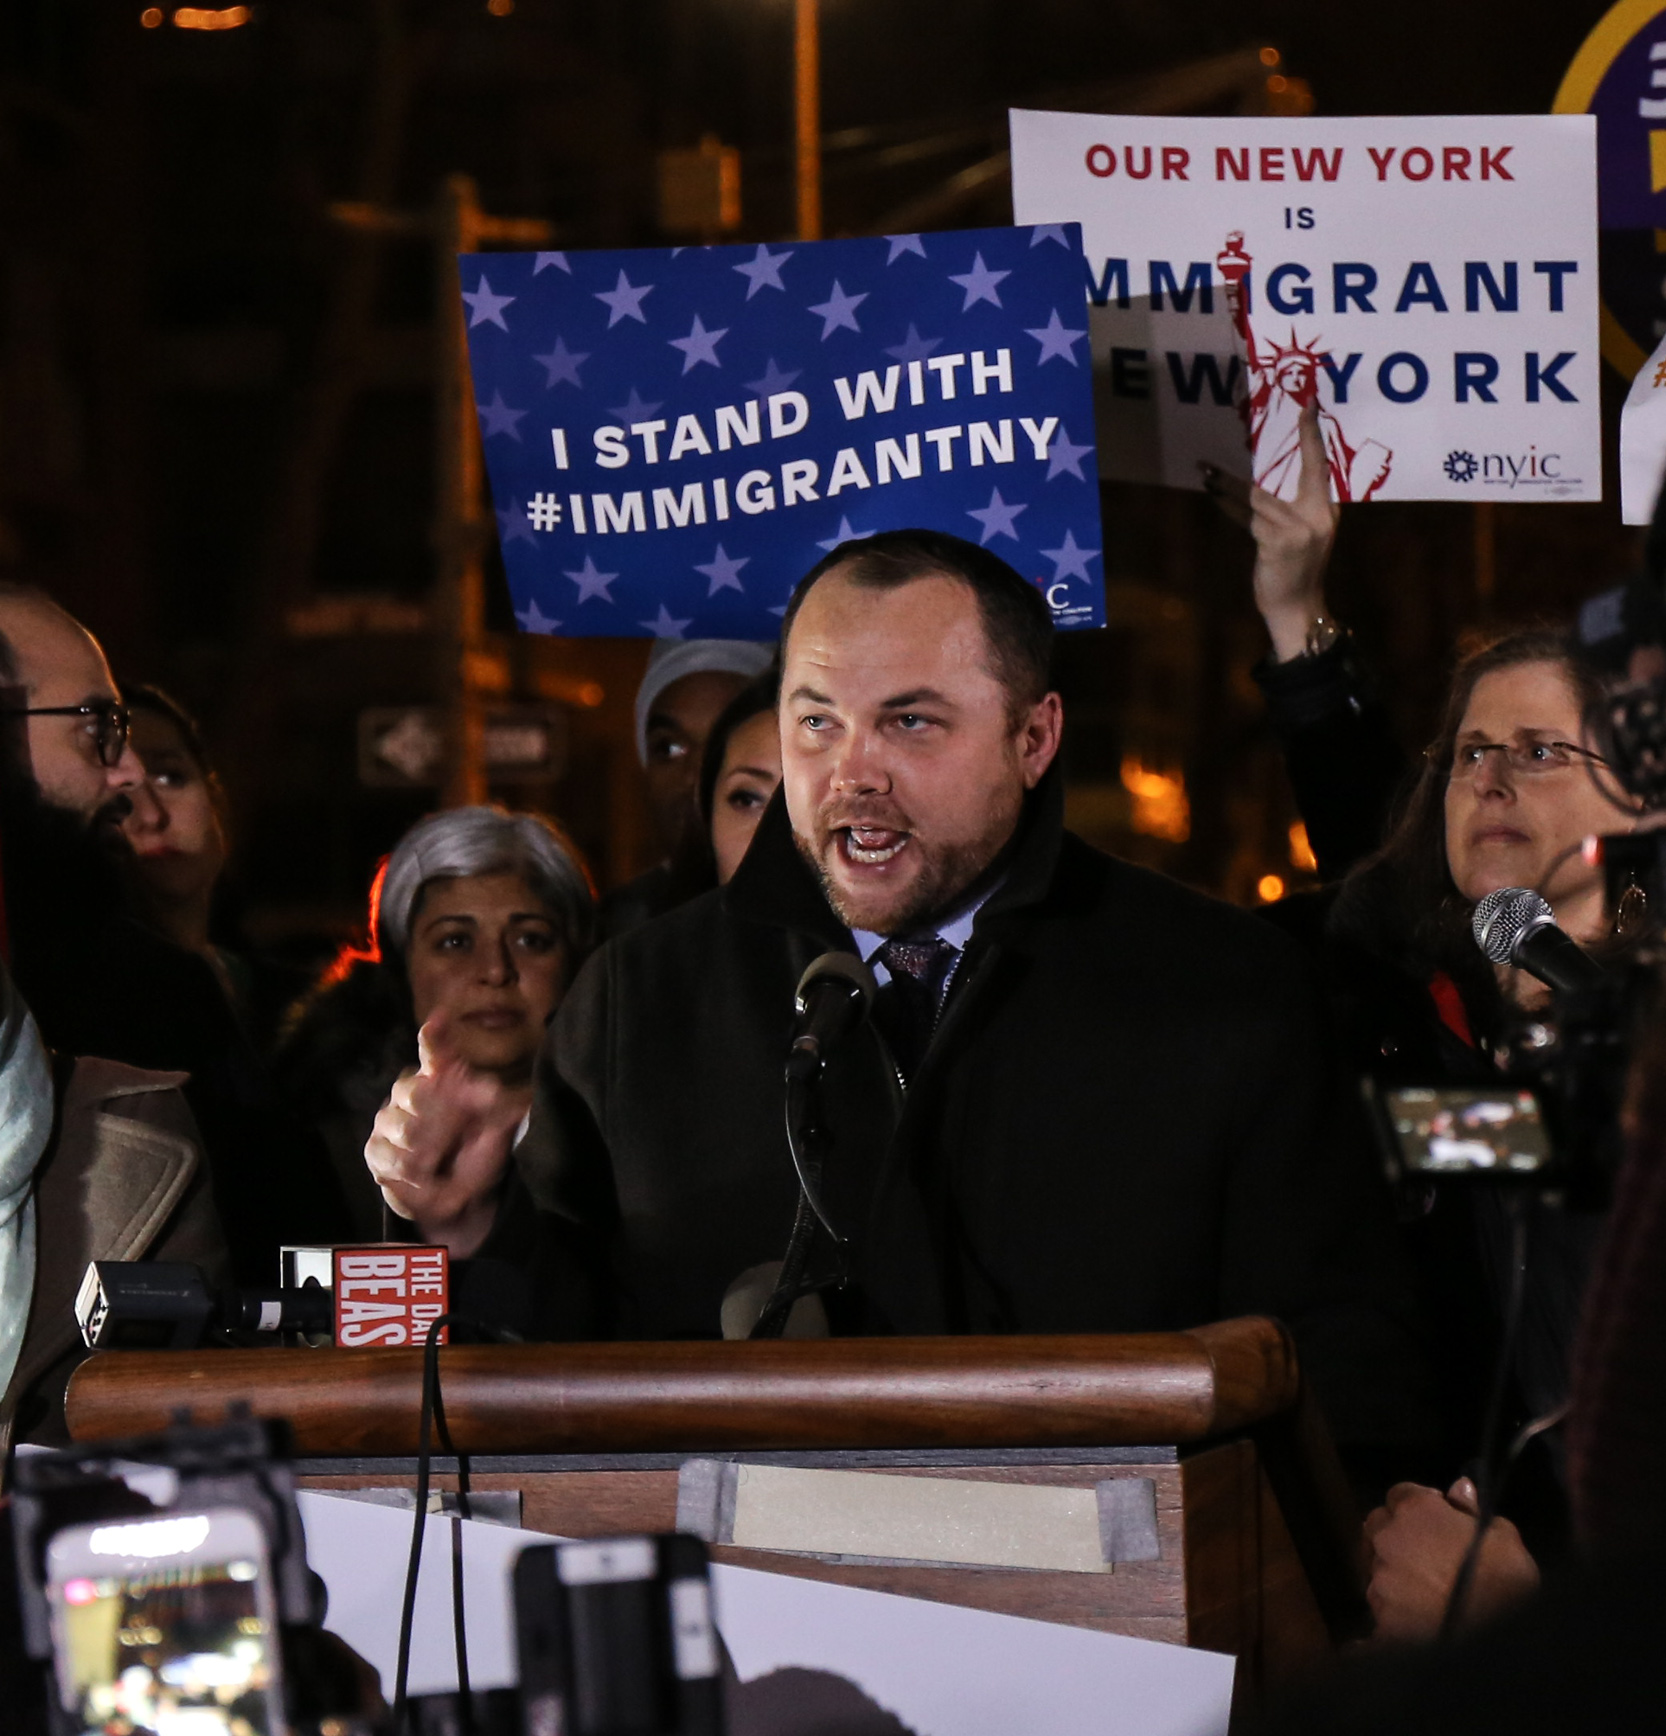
(1088, 1099)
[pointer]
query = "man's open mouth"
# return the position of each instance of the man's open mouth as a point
(870, 846)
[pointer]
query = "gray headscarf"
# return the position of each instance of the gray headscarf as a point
(672, 659)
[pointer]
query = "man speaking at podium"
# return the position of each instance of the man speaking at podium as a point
(1114, 1110)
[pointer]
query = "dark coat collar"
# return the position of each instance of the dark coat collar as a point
(775, 885)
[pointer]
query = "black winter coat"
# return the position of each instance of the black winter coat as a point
(1125, 1121)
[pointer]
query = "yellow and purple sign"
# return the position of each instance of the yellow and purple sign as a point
(1619, 75)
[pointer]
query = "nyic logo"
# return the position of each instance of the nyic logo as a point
(1508, 469)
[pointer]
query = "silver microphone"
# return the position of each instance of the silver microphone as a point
(1516, 926)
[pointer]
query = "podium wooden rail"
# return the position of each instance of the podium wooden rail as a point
(1256, 1533)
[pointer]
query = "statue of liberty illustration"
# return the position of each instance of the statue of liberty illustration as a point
(1282, 381)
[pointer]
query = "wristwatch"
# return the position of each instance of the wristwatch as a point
(1322, 634)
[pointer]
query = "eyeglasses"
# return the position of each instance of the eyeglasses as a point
(1527, 756)
(108, 722)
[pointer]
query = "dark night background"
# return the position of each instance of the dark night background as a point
(215, 403)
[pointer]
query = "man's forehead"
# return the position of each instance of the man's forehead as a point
(932, 623)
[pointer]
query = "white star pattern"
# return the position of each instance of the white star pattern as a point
(763, 270)
(1070, 561)
(663, 626)
(558, 260)
(724, 572)
(1056, 339)
(839, 311)
(624, 301)
(498, 418)
(634, 409)
(591, 583)
(775, 380)
(913, 348)
(700, 345)
(901, 244)
(844, 534)
(980, 283)
(996, 518)
(534, 620)
(485, 307)
(1049, 232)
(1062, 456)
(562, 364)
(513, 525)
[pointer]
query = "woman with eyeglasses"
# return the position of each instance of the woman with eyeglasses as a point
(1505, 796)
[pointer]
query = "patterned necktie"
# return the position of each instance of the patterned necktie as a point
(907, 1005)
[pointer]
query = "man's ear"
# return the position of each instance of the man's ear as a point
(1038, 738)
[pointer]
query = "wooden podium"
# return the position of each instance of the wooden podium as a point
(1253, 1550)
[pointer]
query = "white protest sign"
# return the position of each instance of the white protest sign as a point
(1432, 280)
(1643, 440)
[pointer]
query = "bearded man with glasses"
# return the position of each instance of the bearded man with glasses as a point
(100, 984)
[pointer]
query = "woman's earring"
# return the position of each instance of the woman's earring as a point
(1633, 908)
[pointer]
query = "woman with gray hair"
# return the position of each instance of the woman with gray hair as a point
(479, 919)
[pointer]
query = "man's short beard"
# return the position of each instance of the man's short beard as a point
(944, 879)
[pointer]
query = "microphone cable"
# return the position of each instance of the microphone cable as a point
(1488, 1484)
(791, 1284)
(431, 1418)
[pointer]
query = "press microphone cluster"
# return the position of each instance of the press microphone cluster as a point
(1516, 926)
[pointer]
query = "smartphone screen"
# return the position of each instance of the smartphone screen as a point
(1456, 1132)
(166, 1626)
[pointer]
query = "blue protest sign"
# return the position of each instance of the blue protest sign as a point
(675, 435)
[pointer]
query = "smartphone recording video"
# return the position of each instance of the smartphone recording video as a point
(166, 1626)
(1467, 1132)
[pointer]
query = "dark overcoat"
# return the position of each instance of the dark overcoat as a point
(1126, 1120)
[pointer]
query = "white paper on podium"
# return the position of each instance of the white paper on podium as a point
(942, 1670)
(948, 1671)
(360, 1551)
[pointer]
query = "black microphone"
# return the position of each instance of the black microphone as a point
(1517, 926)
(832, 996)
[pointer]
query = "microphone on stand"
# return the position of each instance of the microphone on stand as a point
(832, 997)
(1517, 926)
(831, 1000)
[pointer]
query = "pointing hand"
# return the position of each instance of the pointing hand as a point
(440, 1146)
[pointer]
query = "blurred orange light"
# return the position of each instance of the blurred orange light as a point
(1161, 807)
(1301, 852)
(1270, 57)
(207, 18)
(500, 8)
(1268, 888)
(1289, 96)
(151, 17)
